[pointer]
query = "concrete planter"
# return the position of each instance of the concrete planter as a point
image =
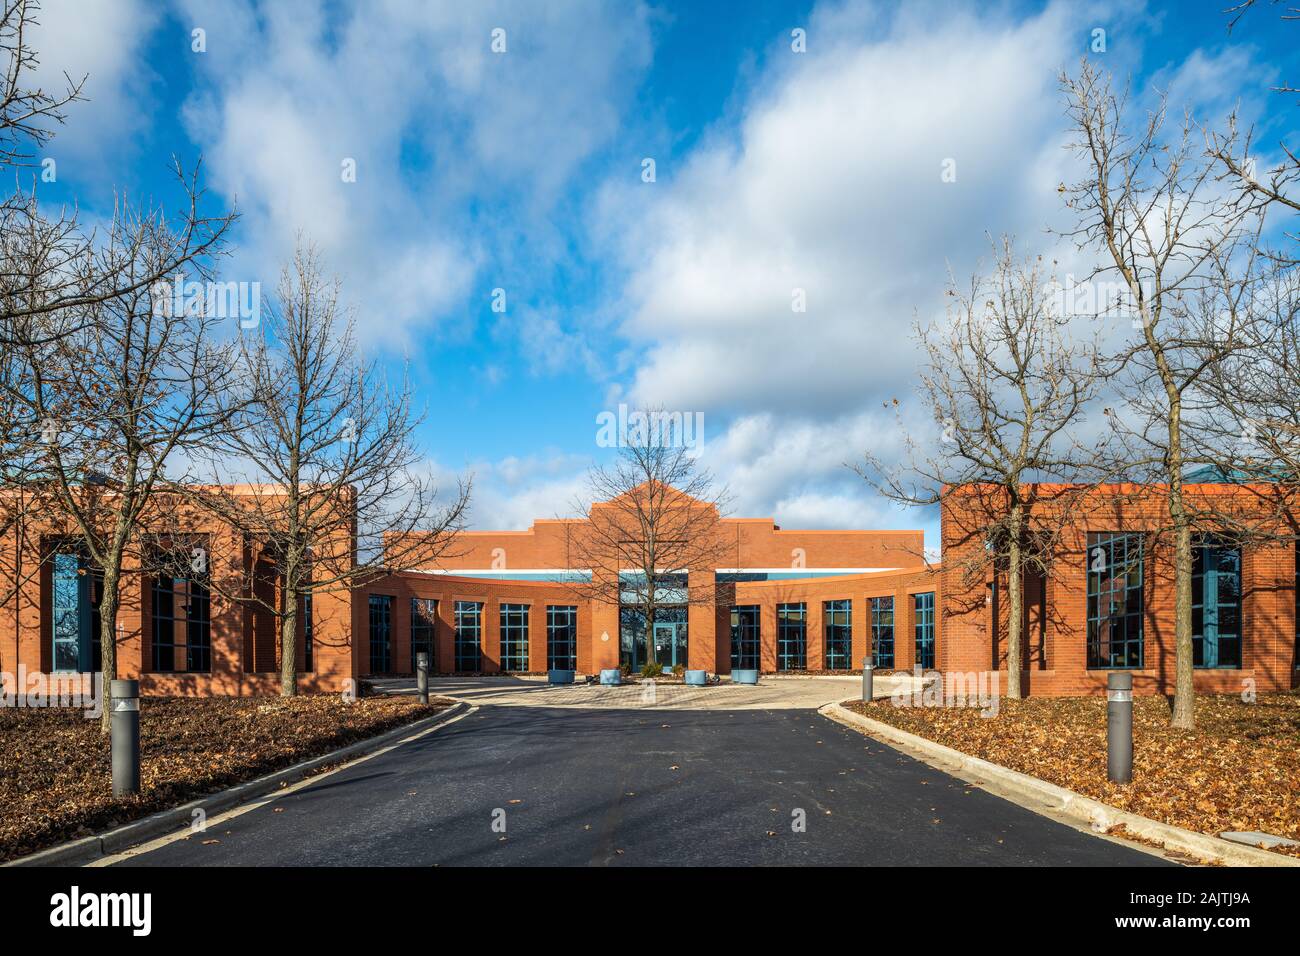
(611, 675)
(697, 678)
(560, 677)
(739, 676)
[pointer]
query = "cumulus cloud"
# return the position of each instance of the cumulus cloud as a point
(101, 41)
(458, 151)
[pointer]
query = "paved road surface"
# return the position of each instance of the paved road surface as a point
(582, 786)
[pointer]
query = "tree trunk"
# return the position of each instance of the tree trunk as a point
(1184, 715)
(1016, 602)
(1184, 693)
(289, 646)
(108, 607)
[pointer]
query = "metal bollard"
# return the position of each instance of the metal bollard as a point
(868, 680)
(124, 735)
(422, 676)
(1119, 727)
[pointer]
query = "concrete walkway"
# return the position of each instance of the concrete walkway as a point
(770, 693)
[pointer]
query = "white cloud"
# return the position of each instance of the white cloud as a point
(288, 94)
(832, 185)
(101, 41)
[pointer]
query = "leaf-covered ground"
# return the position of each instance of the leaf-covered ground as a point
(55, 771)
(1238, 770)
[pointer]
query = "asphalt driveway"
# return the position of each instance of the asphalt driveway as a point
(578, 787)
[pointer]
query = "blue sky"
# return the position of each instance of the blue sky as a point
(522, 171)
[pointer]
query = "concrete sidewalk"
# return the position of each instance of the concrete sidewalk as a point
(770, 693)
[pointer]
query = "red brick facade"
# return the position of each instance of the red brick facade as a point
(1056, 625)
(808, 567)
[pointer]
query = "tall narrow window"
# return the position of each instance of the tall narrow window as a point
(469, 633)
(746, 638)
(561, 638)
(163, 616)
(838, 618)
(198, 626)
(70, 636)
(1115, 600)
(308, 663)
(514, 637)
(923, 615)
(180, 603)
(424, 617)
(792, 637)
(381, 633)
(1216, 605)
(882, 632)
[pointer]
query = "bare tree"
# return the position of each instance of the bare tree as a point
(121, 392)
(50, 264)
(57, 278)
(1008, 387)
(27, 114)
(323, 447)
(1150, 205)
(1278, 185)
(652, 515)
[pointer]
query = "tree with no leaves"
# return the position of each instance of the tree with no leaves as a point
(1007, 387)
(652, 516)
(325, 447)
(122, 393)
(51, 265)
(1150, 205)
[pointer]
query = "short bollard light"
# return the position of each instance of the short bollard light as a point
(422, 676)
(868, 680)
(124, 734)
(1119, 727)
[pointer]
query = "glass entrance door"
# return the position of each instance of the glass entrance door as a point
(670, 644)
(667, 642)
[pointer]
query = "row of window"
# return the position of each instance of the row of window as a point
(467, 642)
(837, 622)
(179, 605)
(1115, 620)
(1116, 595)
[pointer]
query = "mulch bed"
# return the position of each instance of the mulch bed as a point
(56, 775)
(1238, 770)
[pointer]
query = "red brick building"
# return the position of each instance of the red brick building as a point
(787, 601)
(1108, 600)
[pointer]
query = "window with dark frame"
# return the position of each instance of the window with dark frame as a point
(469, 633)
(882, 632)
(746, 637)
(514, 637)
(792, 637)
(180, 601)
(1216, 604)
(1115, 600)
(381, 633)
(561, 637)
(75, 590)
(837, 622)
(424, 619)
(923, 615)
(308, 662)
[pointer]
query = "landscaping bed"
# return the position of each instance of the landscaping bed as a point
(55, 770)
(1238, 770)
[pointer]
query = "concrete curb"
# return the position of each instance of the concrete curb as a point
(1039, 793)
(87, 849)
